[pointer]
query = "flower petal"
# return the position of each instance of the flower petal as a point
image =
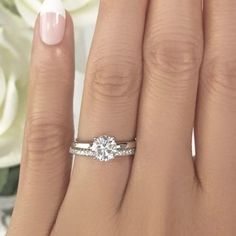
(72, 5)
(10, 106)
(28, 10)
(2, 87)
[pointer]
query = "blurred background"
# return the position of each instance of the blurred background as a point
(17, 19)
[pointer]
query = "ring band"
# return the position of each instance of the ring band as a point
(103, 148)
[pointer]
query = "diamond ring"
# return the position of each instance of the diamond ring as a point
(103, 148)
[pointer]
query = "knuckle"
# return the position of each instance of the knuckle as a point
(114, 76)
(172, 64)
(218, 78)
(44, 137)
(172, 56)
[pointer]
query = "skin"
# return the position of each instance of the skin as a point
(148, 76)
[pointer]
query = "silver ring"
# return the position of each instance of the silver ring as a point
(103, 148)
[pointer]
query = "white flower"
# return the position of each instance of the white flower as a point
(14, 48)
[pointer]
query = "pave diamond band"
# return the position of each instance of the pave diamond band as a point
(88, 153)
(103, 148)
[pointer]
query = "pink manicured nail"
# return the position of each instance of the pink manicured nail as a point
(52, 22)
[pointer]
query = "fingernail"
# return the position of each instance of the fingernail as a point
(52, 22)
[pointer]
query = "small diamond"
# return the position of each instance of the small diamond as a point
(118, 153)
(82, 152)
(104, 147)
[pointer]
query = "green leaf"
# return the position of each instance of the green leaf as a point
(3, 178)
(11, 184)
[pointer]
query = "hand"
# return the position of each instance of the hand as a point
(156, 97)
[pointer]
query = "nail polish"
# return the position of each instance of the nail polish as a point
(52, 22)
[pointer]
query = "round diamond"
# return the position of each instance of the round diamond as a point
(105, 148)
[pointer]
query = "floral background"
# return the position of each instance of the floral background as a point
(17, 19)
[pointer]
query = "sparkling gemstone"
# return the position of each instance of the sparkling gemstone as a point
(105, 148)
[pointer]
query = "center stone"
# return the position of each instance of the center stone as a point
(105, 148)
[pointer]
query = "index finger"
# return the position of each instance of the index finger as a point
(46, 163)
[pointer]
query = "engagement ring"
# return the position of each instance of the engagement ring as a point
(103, 148)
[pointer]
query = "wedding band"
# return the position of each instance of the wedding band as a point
(103, 148)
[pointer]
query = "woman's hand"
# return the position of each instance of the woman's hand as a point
(156, 96)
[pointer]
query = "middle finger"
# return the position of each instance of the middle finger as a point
(109, 107)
